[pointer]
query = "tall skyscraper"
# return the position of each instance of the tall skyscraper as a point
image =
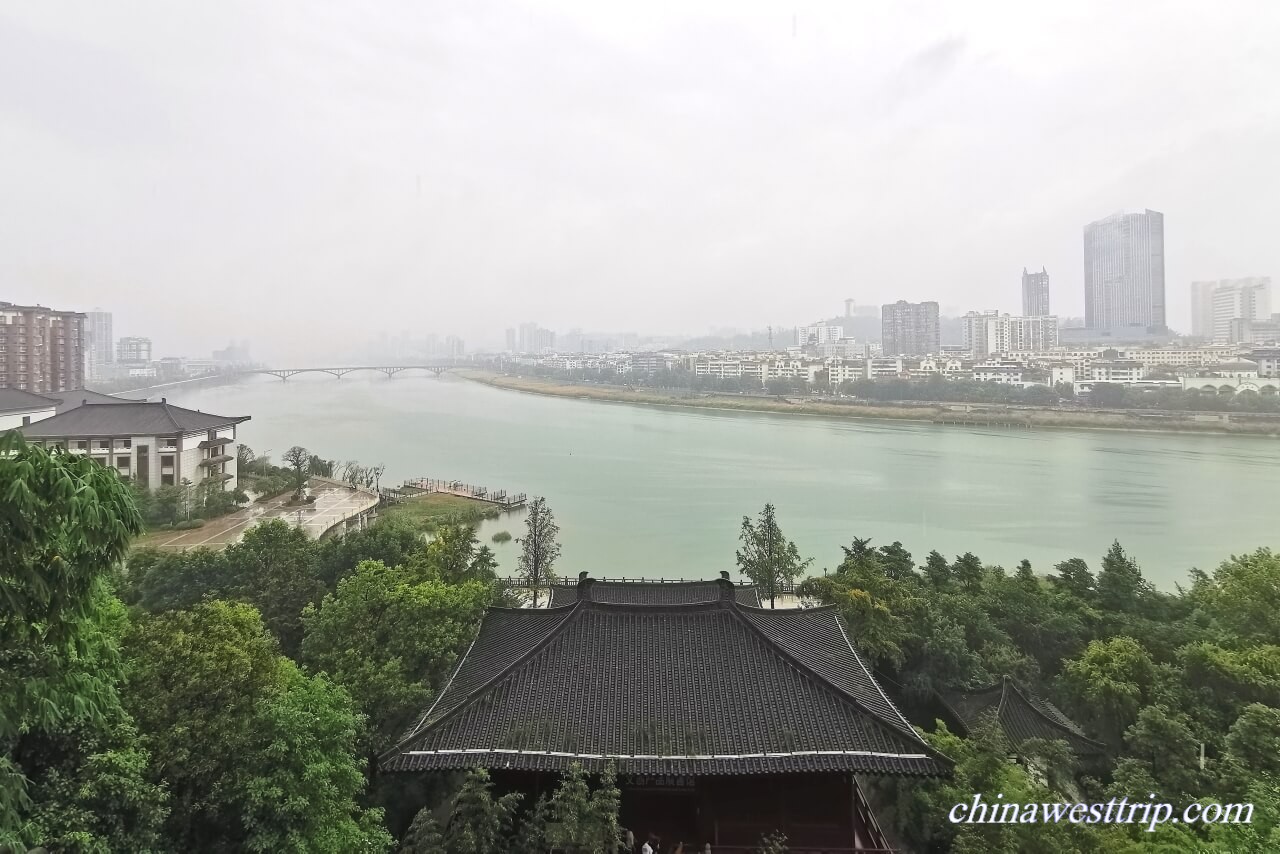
(1236, 300)
(1124, 271)
(910, 329)
(98, 349)
(1035, 293)
(1202, 308)
(532, 338)
(41, 349)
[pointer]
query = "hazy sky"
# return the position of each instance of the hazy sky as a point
(302, 172)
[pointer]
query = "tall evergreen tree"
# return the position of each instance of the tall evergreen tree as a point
(538, 548)
(767, 557)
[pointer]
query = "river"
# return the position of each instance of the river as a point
(661, 492)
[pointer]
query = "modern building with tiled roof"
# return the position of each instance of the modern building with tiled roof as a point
(19, 408)
(156, 444)
(1021, 714)
(724, 721)
(77, 396)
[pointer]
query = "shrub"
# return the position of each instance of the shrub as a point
(188, 524)
(501, 537)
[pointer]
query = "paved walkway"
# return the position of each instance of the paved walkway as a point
(332, 505)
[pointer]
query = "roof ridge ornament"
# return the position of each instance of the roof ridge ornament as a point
(584, 586)
(728, 591)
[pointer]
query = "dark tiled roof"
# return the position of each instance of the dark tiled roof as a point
(76, 396)
(705, 688)
(127, 419)
(1022, 715)
(17, 400)
(652, 593)
(216, 443)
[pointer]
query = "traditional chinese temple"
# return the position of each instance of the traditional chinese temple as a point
(724, 721)
(1021, 715)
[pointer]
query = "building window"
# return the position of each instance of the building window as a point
(166, 460)
(105, 444)
(166, 480)
(82, 445)
(122, 463)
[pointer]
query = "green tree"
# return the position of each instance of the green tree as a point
(1253, 745)
(1243, 596)
(164, 581)
(256, 755)
(967, 570)
(1162, 747)
(65, 522)
(539, 549)
(585, 821)
(478, 822)
(390, 639)
(1075, 578)
(937, 570)
(455, 555)
(767, 557)
(273, 569)
(298, 458)
(1109, 683)
(1120, 583)
(304, 788)
(1026, 575)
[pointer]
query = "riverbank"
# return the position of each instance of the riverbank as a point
(964, 414)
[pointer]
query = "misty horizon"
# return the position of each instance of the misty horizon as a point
(298, 176)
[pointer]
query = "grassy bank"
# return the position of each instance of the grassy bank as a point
(988, 415)
(429, 509)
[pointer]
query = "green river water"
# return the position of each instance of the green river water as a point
(660, 492)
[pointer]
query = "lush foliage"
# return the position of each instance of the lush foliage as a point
(768, 558)
(539, 549)
(1153, 675)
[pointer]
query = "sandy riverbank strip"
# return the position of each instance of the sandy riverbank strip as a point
(985, 415)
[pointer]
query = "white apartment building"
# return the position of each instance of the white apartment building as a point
(990, 332)
(1241, 299)
(1004, 373)
(818, 334)
(1268, 362)
(1115, 371)
(154, 444)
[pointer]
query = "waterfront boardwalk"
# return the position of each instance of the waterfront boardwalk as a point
(467, 490)
(333, 505)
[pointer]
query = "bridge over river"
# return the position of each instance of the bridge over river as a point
(389, 370)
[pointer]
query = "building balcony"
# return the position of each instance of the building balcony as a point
(218, 460)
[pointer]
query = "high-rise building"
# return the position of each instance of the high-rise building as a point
(1124, 272)
(988, 332)
(818, 334)
(1035, 293)
(1239, 299)
(532, 338)
(511, 340)
(134, 351)
(98, 350)
(1202, 308)
(910, 329)
(41, 349)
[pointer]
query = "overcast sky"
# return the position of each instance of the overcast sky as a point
(285, 171)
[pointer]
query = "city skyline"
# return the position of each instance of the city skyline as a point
(672, 171)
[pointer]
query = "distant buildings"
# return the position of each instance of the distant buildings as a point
(99, 345)
(992, 332)
(1124, 272)
(910, 329)
(1226, 310)
(234, 355)
(133, 351)
(818, 334)
(1035, 293)
(530, 338)
(41, 349)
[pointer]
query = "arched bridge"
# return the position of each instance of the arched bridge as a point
(389, 370)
